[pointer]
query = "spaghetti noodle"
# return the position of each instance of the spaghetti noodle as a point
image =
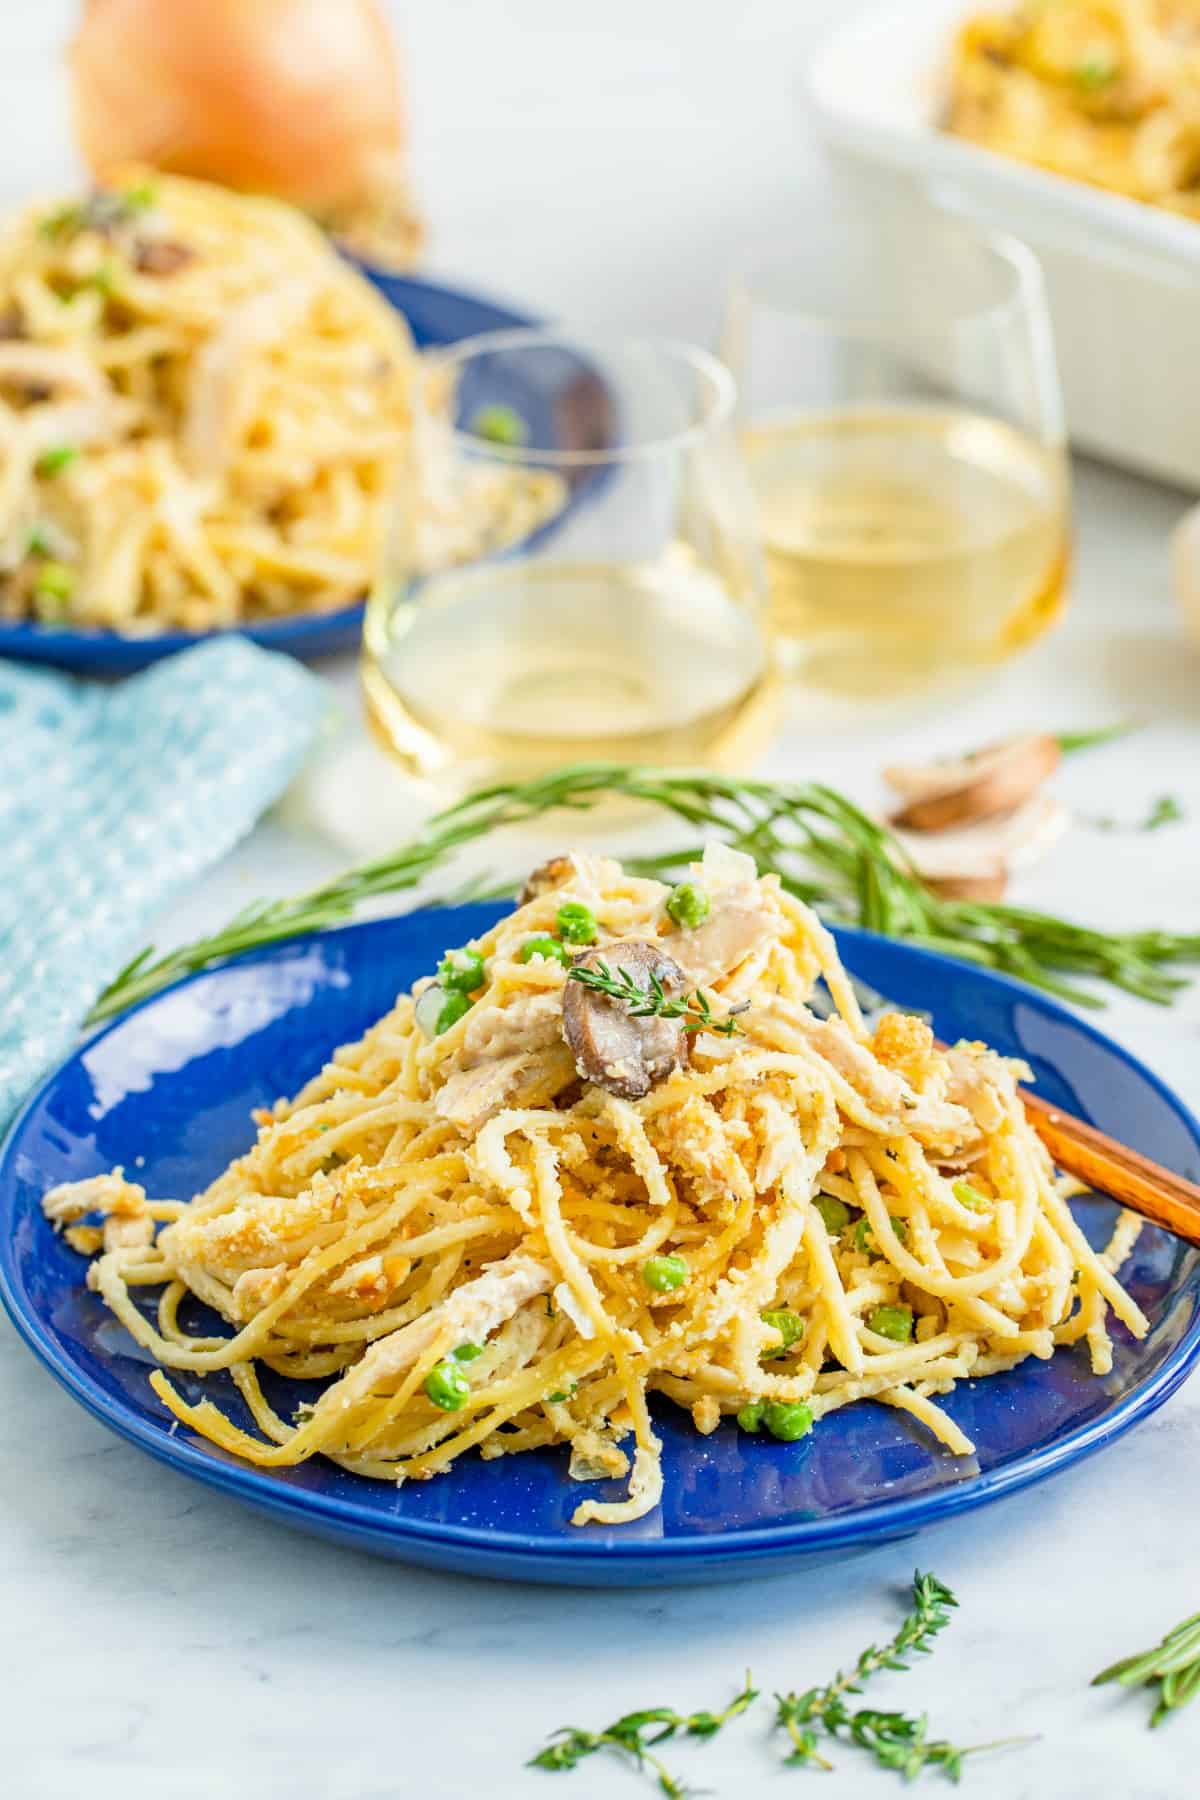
(476, 1229)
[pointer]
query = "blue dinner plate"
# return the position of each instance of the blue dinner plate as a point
(167, 1091)
(436, 315)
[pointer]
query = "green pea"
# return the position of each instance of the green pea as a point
(140, 197)
(787, 1420)
(545, 946)
(447, 1386)
(688, 905)
(864, 1237)
(895, 1322)
(576, 923)
(500, 425)
(835, 1214)
(54, 461)
(461, 971)
(452, 1010)
(664, 1273)
(790, 1327)
(750, 1416)
(55, 579)
(967, 1195)
(467, 1352)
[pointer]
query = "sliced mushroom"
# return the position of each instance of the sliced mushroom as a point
(161, 256)
(979, 786)
(614, 1048)
(974, 862)
(554, 873)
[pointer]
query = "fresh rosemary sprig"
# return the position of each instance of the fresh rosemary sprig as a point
(636, 1734)
(695, 1009)
(823, 848)
(1070, 741)
(886, 1735)
(1173, 1666)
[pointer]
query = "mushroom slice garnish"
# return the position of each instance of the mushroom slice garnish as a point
(974, 862)
(979, 786)
(618, 1050)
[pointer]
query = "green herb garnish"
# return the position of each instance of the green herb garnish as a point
(1070, 741)
(824, 1709)
(652, 1000)
(824, 849)
(1167, 810)
(635, 1735)
(1172, 1667)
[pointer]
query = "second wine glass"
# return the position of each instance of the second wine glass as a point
(613, 609)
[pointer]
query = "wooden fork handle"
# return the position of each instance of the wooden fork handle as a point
(1143, 1186)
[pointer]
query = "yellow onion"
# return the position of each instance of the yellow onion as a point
(298, 98)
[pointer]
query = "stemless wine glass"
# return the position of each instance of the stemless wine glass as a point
(583, 579)
(902, 428)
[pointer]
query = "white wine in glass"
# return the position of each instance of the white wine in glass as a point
(909, 470)
(627, 623)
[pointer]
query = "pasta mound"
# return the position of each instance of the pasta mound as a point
(208, 417)
(474, 1238)
(1103, 91)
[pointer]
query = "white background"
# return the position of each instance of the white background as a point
(611, 163)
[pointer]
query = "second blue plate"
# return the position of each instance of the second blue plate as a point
(436, 315)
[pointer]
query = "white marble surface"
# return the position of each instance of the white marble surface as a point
(162, 1642)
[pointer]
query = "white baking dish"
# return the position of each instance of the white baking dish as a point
(1123, 279)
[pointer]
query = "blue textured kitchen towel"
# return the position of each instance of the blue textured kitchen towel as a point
(111, 797)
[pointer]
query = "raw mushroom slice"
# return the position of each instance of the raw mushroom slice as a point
(994, 780)
(614, 1048)
(974, 863)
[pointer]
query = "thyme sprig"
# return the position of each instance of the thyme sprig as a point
(824, 849)
(637, 1733)
(695, 1009)
(893, 1738)
(1173, 1667)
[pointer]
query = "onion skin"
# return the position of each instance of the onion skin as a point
(296, 98)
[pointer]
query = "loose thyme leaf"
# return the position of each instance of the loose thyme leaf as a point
(801, 1715)
(1167, 810)
(635, 1735)
(823, 848)
(1172, 1666)
(694, 1009)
